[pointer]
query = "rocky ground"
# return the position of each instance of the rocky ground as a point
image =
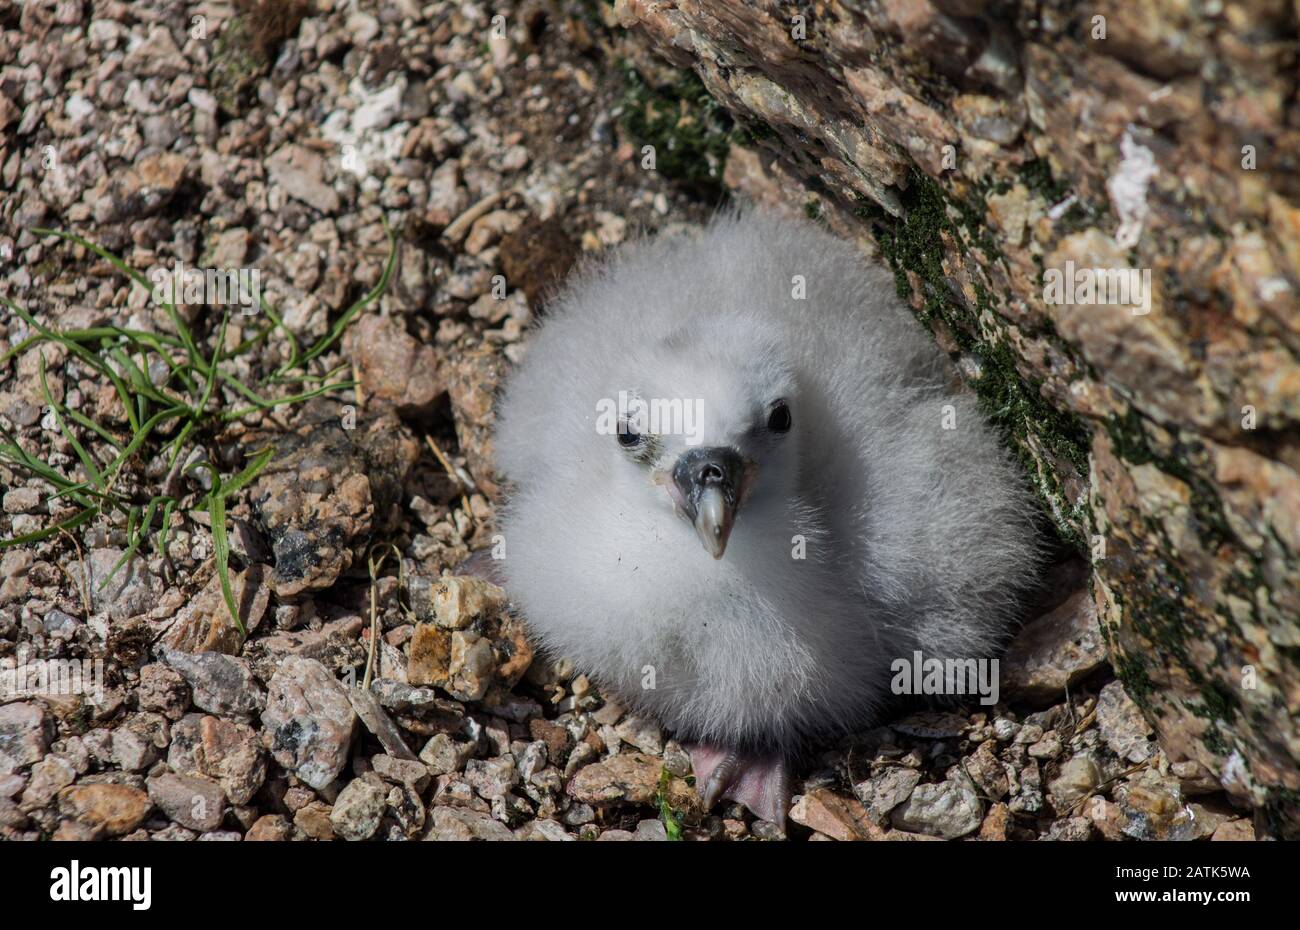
(365, 693)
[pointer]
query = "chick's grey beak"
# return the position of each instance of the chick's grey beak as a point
(707, 485)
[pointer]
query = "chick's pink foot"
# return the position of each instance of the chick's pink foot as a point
(760, 782)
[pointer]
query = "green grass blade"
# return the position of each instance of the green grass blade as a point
(95, 333)
(138, 439)
(84, 421)
(187, 340)
(88, 463)
(178, 443)
(336, 331)
(133, 543)
(160, 546)
(15, 453)
(105, 332)
(49, 335)
(277, 322)
(221, 548)
(216, 507)
(245, 477)
(133, 539)
(124, 396)
(293, 399)
(82, 493)
(37, 535)
(214, 371)
(672, 820)
(140, 381)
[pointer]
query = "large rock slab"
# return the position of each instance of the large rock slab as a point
(1162, 431)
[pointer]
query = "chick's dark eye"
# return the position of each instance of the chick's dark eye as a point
(628, 437)
(779, 420)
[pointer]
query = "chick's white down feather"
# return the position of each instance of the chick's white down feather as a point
(915, 537)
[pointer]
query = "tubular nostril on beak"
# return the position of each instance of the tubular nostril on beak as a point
(707, 484)
(699, 469)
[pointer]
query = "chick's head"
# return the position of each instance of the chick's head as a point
(700, 426)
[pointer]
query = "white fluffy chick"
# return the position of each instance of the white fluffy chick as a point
(749, 577)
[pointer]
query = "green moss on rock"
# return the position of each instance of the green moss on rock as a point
(690, 131)
(917, 243)
(1131, 670)
(1129, 437)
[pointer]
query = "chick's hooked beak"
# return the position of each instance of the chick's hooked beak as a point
(707, 486)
